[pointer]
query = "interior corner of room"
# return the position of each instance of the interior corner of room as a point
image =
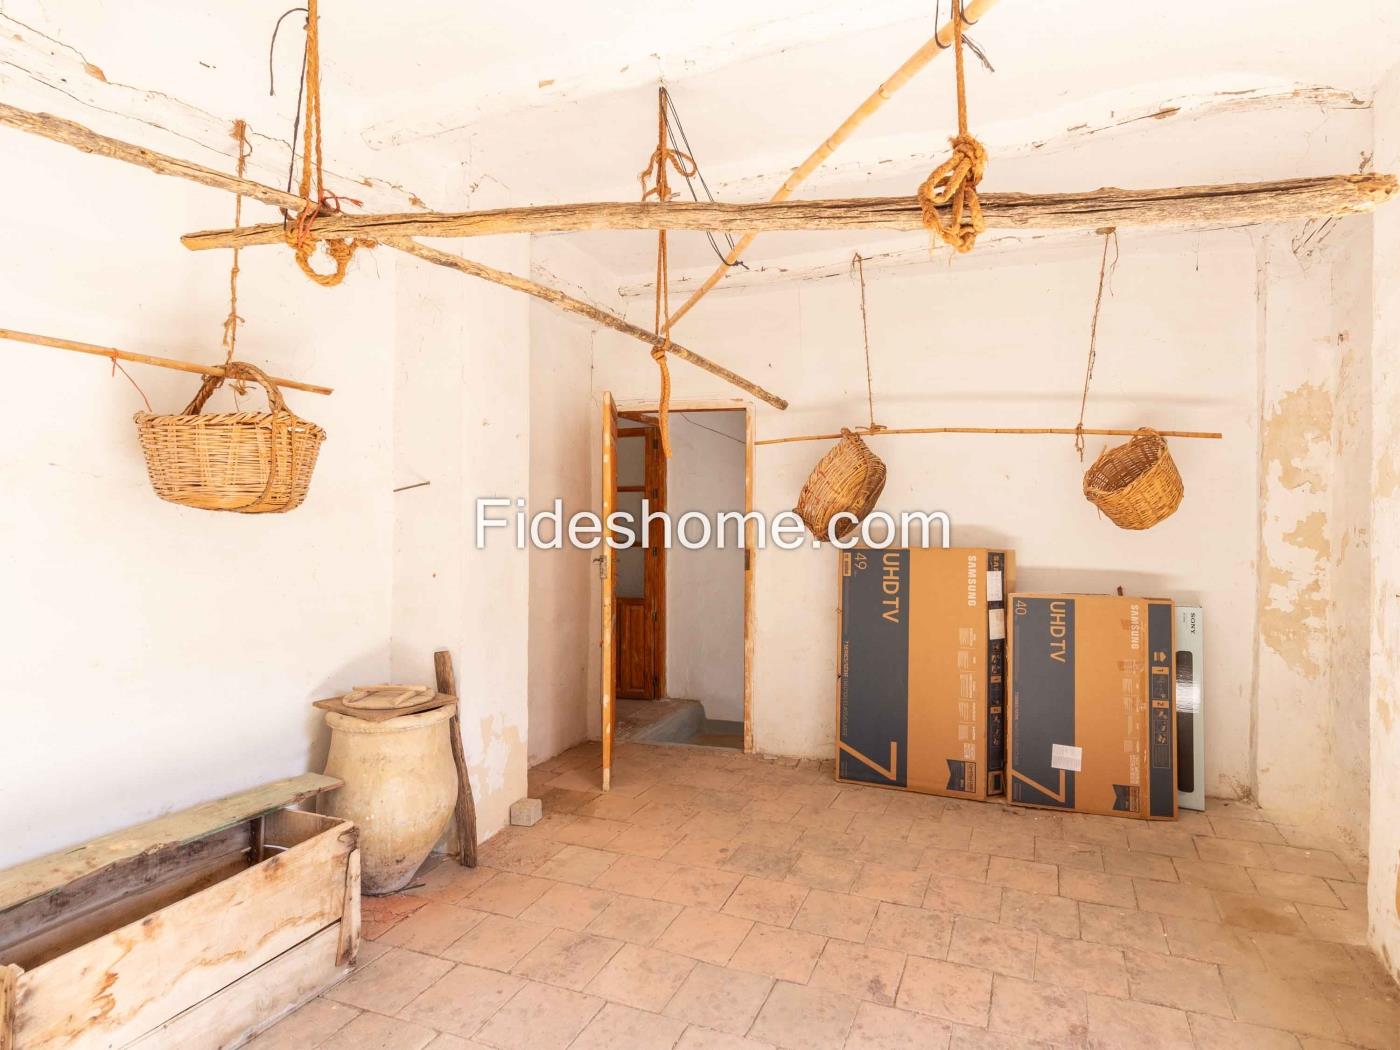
(1116, 292)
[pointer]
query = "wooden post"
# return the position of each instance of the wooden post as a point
(9, 994)
(466, 804)
(348, 948)
(67, 132)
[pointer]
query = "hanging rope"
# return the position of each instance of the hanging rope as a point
(299, 235)
(954, 182)
(1104, 268)
(655, 179)
(232, 321)
(858, 266)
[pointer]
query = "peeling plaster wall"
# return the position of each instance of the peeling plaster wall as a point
(155, 656)
(1314, 571)
(462, 423)
(1385, 537)
(994, 342)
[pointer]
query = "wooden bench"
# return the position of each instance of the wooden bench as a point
(194, 930)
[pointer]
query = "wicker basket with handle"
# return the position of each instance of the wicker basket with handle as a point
(849, 478)
(249, 462)
(1136, 484)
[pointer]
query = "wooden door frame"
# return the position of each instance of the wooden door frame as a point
(631, 409)
(607, 612)
(654, 568)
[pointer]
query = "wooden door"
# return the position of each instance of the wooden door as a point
(639, 593)
(609, 478)
(636, 675)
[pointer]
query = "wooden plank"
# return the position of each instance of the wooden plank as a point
(255, 1001)
(120, 986)
(464, 814)
(1229, 204)
(83, 910)
(57, 870)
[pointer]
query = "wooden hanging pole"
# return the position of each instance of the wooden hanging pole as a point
(576, 306)
(1069, 431)
(939, 42)
(1230, 204)
(57, 129)
(145, 359)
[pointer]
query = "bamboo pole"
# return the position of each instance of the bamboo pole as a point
(1229, 204)
(57, 129)
(145, 359)
(1068, 431)
(564, 302)
(940, 41)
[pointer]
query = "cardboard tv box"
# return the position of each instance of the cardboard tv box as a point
(1092, 704)
(922, 668)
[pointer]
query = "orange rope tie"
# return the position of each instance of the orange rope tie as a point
(299, 235)
(656, 169)
(954, 182)
(233, 320)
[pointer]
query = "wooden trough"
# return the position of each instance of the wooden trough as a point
(194, 930)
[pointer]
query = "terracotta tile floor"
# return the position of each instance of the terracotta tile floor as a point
(718, 901)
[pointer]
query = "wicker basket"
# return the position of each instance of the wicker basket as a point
(250, 462)
(849, 478)
(1136, 484)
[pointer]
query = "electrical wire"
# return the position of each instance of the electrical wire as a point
(301, 90)
(682, 145)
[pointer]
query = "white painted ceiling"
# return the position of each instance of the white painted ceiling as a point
(555, 101)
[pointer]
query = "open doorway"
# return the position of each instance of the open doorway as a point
(679, 616)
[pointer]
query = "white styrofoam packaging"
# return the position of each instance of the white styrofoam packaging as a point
(1190, 712)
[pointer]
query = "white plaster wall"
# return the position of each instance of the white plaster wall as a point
(561, 412)
(462, 422)
(1002, 342)
(1384, 884)
(153, 656)
(705, 587)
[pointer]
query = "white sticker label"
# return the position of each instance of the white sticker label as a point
(996, 624)
(1065, 756)
(994, 586)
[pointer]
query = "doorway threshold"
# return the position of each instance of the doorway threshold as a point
(675, 722)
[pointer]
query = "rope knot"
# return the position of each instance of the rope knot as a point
(663, 405)
(654, 178)
(953, 184)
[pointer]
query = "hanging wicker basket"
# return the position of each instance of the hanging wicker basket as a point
(249, 462)
(1136, 484)
(849, 478)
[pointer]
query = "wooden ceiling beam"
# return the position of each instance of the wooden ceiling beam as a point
(69, 133)
(1230, 204)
